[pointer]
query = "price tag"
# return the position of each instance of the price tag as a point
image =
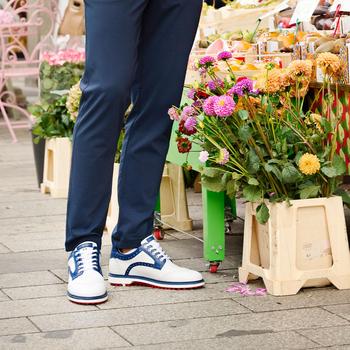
(344, 6)
(304, 11)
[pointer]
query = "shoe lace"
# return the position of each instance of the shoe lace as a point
(155, 249)
(87, 259)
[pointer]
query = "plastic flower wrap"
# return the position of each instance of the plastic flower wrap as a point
(259, 138)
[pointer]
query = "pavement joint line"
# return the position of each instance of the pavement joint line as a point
(60, 278)
(6, 295)
(35, 325)
(31, 216)
(333, 313)
(121, 336)
(306, 337)
(5, 246)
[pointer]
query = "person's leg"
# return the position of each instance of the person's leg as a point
(112, 36)
(167, 34)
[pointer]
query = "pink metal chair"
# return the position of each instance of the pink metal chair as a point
(23, 32)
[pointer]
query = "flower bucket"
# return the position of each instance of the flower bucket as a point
(304, 244)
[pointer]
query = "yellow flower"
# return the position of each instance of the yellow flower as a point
(309, 164)
(73, 100)
(201, 124)
(329, 63)
(272, 81)
(300, 69)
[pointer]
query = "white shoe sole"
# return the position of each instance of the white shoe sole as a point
(87, 300)
(132, 280)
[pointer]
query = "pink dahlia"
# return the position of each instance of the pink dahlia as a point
(208, 105)
(187, 112)
(173, 113)
(191, 94)
(223, 157)
(206, 61)
(224, 106)
(190, 124)
(203, 156)
(224, 55)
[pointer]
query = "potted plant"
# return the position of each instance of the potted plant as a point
(54, 124)
(261, 141)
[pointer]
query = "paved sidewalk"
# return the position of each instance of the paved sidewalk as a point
(34, 312)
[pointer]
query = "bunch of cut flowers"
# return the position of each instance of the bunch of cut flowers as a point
(260, 139)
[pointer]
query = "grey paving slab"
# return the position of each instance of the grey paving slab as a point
(328, 336)
(136, 315)
(3, 296)
(42, 306)
(30, 245)
(305, 298)
(201, 265)
(151, 296)
(3, 249)
(35, 224)
(32, 208)
(95, 338)
(265, 341)
(16, 326)
(342, 310)
(37, 260)
(226, 326)
(8, 280)
(33, 292)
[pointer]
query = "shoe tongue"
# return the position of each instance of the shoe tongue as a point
(86, 245)
(147, 240)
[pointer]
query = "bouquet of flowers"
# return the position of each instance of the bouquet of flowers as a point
(59, 71)
(259, 138)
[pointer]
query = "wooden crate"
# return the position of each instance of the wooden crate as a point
(301, 245)
(57, 163)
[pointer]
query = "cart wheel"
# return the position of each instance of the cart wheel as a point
(158, 234)
(213, 267)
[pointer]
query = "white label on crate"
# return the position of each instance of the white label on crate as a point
(345, 25)
(318, 249)
(319, 75)
(272, 46)
(304, 11)
(344, 5)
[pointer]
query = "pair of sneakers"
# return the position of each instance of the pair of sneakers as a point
(147, 264)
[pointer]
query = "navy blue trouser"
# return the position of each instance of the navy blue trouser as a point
(136, 50)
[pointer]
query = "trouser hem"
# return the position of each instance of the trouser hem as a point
(91, 237)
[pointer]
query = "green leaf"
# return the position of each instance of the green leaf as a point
(211, 172)
(244, 133)
(231, 188)
(290, 174)
(253, 162)
(253, 181)
(236, 176)
(329, 171)
(339, 165)
(252, 193)
(345, 196)
(274, 170)
(243, 114)
(309, 192)
(212, 184)
(262, 214)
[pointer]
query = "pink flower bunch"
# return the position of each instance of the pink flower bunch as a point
(224, 156)
(224, 56)
(6, 17)
(208, 106)
(224, 106)
(188, 111)
(173, 113)
(190, 124)
(63, 56)
(243, 86)
(214, 84)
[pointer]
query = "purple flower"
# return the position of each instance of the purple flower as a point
(191, 94)
(187, 112)
(224, 55)
(203, 156)
(224, 106)
(173, 113)
(206, 61)
(190, 123)
(197, 104)
(214, 84)
(208, 105)
(244, 86)
(224, 156)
